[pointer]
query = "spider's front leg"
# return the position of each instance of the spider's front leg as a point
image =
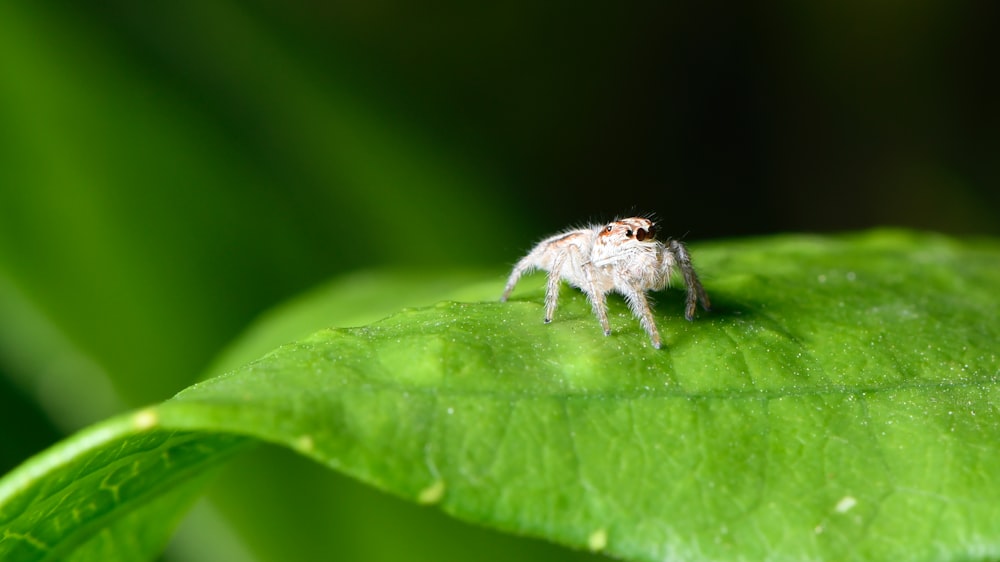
(639, 304)
(695, 292)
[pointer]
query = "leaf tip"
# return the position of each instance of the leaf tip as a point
(432, 494)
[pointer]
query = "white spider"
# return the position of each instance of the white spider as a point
(622, 256)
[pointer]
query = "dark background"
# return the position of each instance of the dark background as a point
(726, 119)
(168, 171)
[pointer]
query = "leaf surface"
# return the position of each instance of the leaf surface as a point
(838, 403)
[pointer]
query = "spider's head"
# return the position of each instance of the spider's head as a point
(634, 229)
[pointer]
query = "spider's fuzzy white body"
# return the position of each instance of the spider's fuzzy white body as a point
(623, 256)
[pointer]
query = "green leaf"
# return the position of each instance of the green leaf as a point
(838, 403)
(352, 300)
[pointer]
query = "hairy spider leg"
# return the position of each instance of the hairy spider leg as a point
(639, 304)
(598, 298)
(574, 256)
(523, 267)
(695, 292)
(552, 287)
(529, 263)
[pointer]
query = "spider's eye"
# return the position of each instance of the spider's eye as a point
(608, 228)
(640, 235)
(628, 233)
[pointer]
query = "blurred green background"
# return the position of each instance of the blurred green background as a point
(169, 171)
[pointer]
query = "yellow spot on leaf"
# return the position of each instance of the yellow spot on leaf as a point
(305, 444)
(845, 504)
(432, 494)
(145, 419)
(598, 540)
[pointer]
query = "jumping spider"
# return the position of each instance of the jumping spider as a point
(622, 256)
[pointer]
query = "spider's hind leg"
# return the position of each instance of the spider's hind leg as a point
(523, 267)
(552, 287)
